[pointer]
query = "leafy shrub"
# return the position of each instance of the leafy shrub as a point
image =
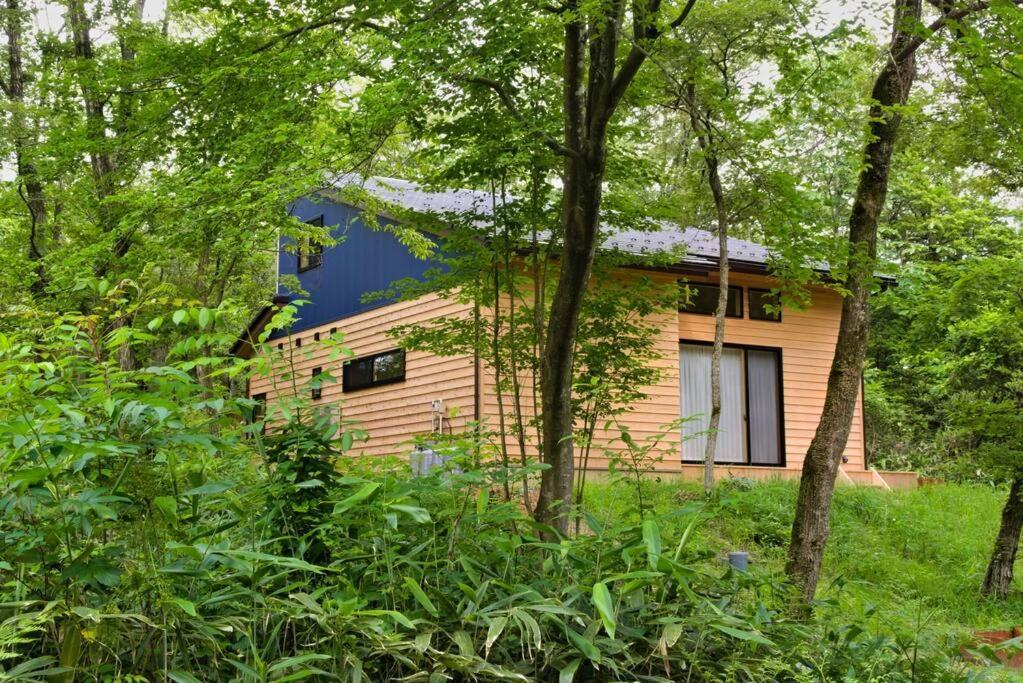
(150, 533)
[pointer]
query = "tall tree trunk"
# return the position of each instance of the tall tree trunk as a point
(30, 189)
(710, 160)
(514, 368)
(592, 88)
(100, 156)
(539, 278)
(555, 498)
(580, 207)
(999, 571)
(820, 468)
(498, 381)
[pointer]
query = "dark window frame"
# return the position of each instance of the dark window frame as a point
(745, 389)
(731, 288)
(755, 290)
(258, 413)
(311, 252)
(316, 392)
(346, 381)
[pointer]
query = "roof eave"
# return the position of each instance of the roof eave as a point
(245, 345)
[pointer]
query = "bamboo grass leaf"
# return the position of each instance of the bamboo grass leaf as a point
(421, 597)
(605, 607)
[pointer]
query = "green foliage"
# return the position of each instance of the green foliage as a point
(898, 554)
(958, 364)
(904, 565)
(150, 532)
(495, 263)
(154, 533)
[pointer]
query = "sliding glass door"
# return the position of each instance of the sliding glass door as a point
(750, 427)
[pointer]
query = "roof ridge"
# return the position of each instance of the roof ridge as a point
(700, 244)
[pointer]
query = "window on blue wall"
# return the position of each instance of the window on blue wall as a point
(310, 253)
(372, 371)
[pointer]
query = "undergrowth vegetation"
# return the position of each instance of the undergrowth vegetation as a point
(912, 557)
(153, 531)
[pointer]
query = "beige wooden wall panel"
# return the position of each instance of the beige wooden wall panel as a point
(392, 414)
(644, 419)
(807, 341)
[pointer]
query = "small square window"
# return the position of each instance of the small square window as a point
(257, 413)
(298, 342)
(316, 337)
(703, 300)
(310, 253)
(371, 371)
(764, 305)
(317, 387)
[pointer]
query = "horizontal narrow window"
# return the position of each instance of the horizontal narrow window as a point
(703, 299)
(371, 371)
(310, 253)
(764, 305)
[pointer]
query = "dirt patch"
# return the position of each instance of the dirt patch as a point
(1010, 656)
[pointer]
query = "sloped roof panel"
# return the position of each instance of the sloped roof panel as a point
(701, 246)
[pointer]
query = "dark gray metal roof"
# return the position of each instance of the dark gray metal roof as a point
(413, 197)
(701, 246)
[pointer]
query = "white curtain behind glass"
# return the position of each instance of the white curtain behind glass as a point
(694, 364)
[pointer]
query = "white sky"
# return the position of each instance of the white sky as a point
(49, 16)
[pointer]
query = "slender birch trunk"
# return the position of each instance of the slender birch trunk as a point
(710, 160)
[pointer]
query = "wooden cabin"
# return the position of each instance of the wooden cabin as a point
(774, 369)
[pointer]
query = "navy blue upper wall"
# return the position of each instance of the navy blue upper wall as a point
(365, 260)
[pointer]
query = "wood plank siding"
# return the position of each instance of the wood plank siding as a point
(393, 414)
(806, 339)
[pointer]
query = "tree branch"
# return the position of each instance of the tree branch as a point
(637, 55)
(683, 14)
(509, 103)
(319, 23)
(914, 43)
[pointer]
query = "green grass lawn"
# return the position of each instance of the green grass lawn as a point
(917, 556)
